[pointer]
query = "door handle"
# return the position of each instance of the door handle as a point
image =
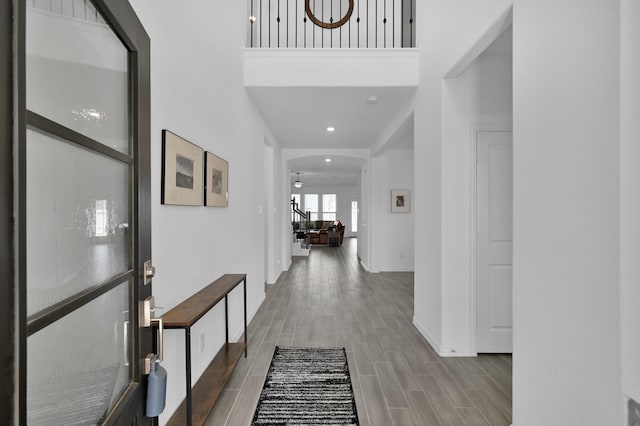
(147, 314)
(160, 346)
(159, 338)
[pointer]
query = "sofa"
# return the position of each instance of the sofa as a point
(327, 232)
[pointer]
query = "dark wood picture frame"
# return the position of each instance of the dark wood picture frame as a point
(182, 171)
(216, 180)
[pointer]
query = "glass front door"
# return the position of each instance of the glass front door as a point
(86, 213)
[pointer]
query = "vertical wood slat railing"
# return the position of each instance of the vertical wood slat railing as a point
(373, 24)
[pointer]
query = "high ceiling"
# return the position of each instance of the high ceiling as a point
(299, 117)
(316, 172)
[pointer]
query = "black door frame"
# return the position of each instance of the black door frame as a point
(13, 119)
(7, 259)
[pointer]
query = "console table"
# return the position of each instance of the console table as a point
(200, 400)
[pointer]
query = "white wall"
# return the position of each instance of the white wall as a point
(198, 92)
(630, 196)
(272, 211)
(392, 242)
(566, 215)
(480, 97)
(567, 368)
(364, 206)
(446, 32)
(331, 67)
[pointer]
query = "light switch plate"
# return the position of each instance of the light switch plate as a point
(634, 413)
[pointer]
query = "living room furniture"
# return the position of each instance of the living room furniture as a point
(200, 400)
(333, 238)
(318, 230)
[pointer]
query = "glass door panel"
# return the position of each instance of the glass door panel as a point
(77, 217)
(81, 223)
(77, 72)
(78, 366)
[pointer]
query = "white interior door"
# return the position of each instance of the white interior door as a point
(494, 251)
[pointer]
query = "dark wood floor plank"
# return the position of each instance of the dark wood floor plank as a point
(357, 392)
(377, 410)
(501, 399)
(376, 353)
(441, 404)
(447, 382)
(402, 417)
(489, 409)
(222, 409)
(461, 376)
(500, 372)
(263, 360)
(472, 366)
(406, 378)
(422, 410)
(472, 417)
(364, 364)
(390, 385)
(273, 331)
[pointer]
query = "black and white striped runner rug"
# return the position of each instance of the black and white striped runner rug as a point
(307, 386)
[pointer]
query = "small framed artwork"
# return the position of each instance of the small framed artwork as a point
(216, 181)
(400, 201)
(182, 171)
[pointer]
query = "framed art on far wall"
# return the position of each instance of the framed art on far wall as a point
(400, 201)
(182, 171)
(216, 181)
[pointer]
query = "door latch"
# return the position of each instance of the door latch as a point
(149, 271)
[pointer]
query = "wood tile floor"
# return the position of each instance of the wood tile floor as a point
(328, 300)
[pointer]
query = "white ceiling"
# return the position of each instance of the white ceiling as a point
(299, 116)
(316, 172)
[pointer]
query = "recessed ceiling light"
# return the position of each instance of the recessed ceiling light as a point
(331, 129)
(372, 100)
(328, 160)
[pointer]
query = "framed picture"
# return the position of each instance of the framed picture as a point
(400, 201)
(182, 171)
(216, 187)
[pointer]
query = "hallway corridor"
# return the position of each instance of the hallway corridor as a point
(328, 300)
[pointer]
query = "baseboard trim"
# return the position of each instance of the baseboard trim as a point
(398, 270)
(451, 353)
(434, 345)
(364, 265)
(437, 347)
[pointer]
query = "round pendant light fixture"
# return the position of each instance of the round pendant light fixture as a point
(298, 182)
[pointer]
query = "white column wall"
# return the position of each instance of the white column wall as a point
(480, 97)
(566, 367)
(446, 32)
(630, 196)
(364, 237)
(392, 241)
